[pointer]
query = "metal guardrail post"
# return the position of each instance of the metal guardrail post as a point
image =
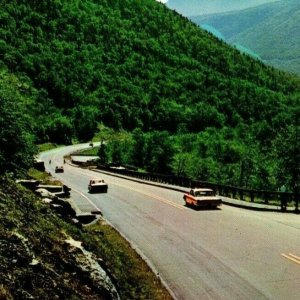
(252, 196)
(241, 195)
(266, 197)
(233, 193)
(223, 190)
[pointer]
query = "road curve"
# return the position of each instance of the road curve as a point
(228, 253)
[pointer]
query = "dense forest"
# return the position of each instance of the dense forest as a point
(185, 101)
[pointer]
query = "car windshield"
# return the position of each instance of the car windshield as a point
(96, 181)
(204, 193)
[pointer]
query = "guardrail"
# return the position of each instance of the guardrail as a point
(282, 199)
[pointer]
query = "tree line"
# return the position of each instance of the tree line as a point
(223, 156)
(140, 67)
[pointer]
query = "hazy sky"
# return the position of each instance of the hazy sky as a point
(199, 7)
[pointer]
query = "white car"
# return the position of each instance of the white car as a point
(97, 185)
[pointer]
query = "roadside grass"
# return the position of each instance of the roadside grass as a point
(274, 202)
(133, 277)
(38, 175)
(43, 177)
(46, 147)
(90, 151)
(4, 293)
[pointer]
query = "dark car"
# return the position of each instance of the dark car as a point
(59, 169)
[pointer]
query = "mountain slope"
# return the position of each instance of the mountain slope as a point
(138, 65)
(17, 100)
(270, 30)
(130, 64)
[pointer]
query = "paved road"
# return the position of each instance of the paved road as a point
(229, 253)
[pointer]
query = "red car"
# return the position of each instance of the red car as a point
(202, 197)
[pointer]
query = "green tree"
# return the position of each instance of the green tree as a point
(181, 164)
(287, 155)
(59, 129)
(16, 136)
(102, 153)
(159, 152)
(85, 120)
(138, 148)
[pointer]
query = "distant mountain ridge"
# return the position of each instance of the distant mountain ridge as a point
(219, 35)
(270, 30)
(200, 7)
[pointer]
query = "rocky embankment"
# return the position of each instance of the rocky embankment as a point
(39, 259)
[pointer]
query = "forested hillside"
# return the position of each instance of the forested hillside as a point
(17, 102)
(270, 30)
(138, 65)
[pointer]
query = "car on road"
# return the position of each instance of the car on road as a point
(202, 197)
(97, 185)
(59, 169)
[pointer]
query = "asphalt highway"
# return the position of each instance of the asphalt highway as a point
(226, 253)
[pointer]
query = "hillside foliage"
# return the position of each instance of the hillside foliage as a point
(16, 133)
(136, 65)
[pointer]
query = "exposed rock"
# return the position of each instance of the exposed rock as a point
(86, 218)
(34, 261)
(87, 262)
(44, 193)
(29, 184)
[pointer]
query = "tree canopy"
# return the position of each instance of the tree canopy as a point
(136, 65)
(16, 134)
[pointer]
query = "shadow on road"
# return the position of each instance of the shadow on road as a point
(203, 208)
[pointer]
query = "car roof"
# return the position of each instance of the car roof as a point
(202, 190)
